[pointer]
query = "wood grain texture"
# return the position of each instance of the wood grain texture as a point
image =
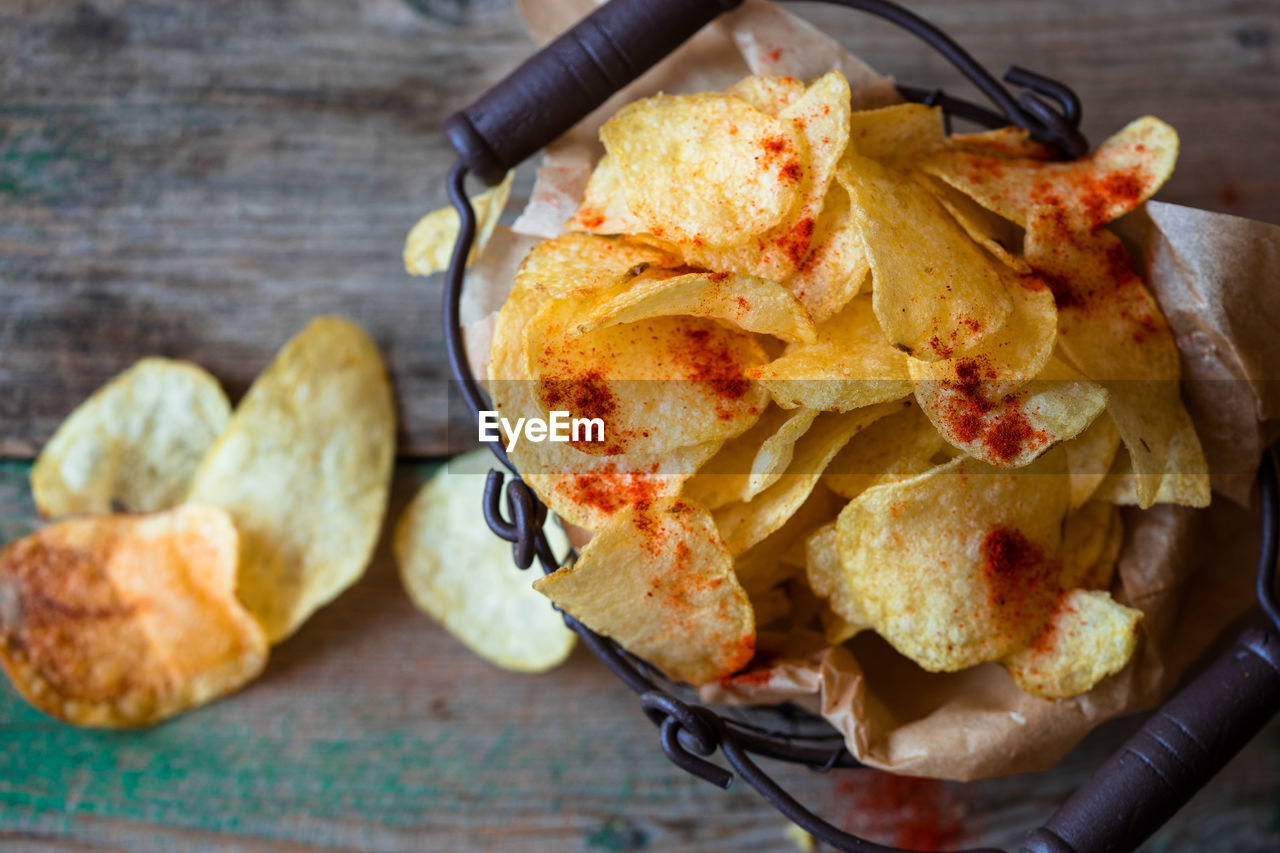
(372, 729)
(198, 180)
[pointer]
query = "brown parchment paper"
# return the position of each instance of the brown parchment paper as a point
(1217, 278)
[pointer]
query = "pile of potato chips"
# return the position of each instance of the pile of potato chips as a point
(198, 536)
(855, 374)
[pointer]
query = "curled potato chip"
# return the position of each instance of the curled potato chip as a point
(896, 446)
(123, 620)
(836, 268)
(1087, 537)
(774, 560)
(743, 524)
(582, 488)
(134, 444)
(849, 366)
(459, 573)
(1089, 192)
(997, 235)
(958, 565)
(749, 463)
(1089, 458)
(429, 246)
(936, 294)
(1013, 429)
(304, 469)
(1010, 141)
(1185, 480)
(1088, 637)
(749, 303)
(658, 580)
(824, 569)
(747, 166)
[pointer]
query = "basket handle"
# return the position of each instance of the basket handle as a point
(1177, 751)
(559, 85)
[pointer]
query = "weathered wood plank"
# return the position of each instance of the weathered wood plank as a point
(372, 729)
(197, 180)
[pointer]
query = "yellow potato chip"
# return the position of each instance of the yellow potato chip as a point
(1089, 458)
(751, 462)
(774, 560)
(897, 135)
(849, 366)
(1185, 480)
(1086, 540)
(1008, 141)
(123, 620)
(824, 569)
(429, 246)
(604, 207)
(304, 469)
(836, 269)
(658, 580)
(1089, 637)
(134, 444)
(770, 95)
(1112, 330)
(743, 524)
(958, 565)
(747, 166)
(1012, 429)
(897, 446)
(582, 488)
(997, 235)
(463, 576)
(749, 303)
(936, 293)
(1087, 193)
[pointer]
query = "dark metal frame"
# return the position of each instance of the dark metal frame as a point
(1157, 771)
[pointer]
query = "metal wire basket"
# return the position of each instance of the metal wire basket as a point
(1178, 749)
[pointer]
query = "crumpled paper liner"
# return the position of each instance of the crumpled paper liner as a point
(1190, 572)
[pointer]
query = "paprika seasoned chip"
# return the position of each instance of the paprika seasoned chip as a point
(896, 446)
(304, 469)
(1088, 637)
(126, 620)
(429, 246)
(135, 444)
(658, 580)
(460, 574)
(958, 565)
(749, 463)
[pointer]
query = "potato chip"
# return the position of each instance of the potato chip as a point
(304, 469)
(749, 463)
(747, 166)
(1086, 539)
(780, 556)
(1012, 429)
(1089, 637)
(749, 303)
(836, 268)
(123, 620)
(1112, 330)
(1089, 458)
(897, 135)
(746, 523)
(1010, 141)
(958, 565)
(1185, 480)
(936, 294)
(849, 366)
(658, 580)
(770, 95)
(897, 446)
(997, 235)
(134, 444)
(463, 576)
(825, 572)
(429, 246)
(771, 605)
(1087, 193)
(604, 207)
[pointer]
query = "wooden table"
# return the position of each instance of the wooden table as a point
(197, 179)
